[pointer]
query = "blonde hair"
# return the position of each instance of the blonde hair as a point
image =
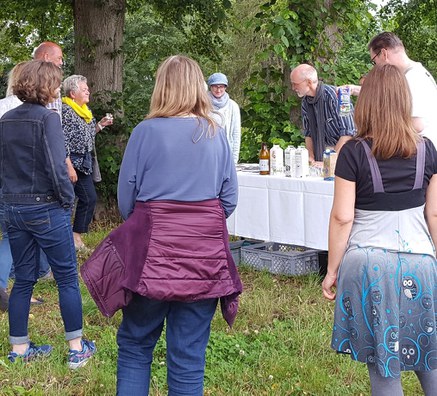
(38, 82)
(383, 113)
(13, 77)
(180, 91)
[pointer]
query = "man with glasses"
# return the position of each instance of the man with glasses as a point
(387, 48)
(323, 127)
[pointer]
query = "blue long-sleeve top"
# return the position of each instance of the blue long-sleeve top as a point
(166, 160)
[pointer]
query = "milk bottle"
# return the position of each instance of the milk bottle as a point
(302, 162)
(290, 161)
(276, 160)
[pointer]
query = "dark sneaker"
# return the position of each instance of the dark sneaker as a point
(33, 352)
(4, 300)
(78, 359)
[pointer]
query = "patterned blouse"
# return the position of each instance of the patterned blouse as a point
(79, 139)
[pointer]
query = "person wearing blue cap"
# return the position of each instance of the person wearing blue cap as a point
(228, 111)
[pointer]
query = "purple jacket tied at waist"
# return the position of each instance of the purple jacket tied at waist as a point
(166, 250)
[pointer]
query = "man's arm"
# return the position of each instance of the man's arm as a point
(341, 142)
(310, 148)
(71, 171)
(353, 89)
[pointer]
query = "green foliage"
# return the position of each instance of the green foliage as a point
(26, 23)
(298, 32)
(279, 345)
(198, 20)
(148, 40)
(415, 23)
(110, 144)
(154, 30)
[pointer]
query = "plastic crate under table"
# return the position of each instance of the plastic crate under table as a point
(235, 247)
(279, 258)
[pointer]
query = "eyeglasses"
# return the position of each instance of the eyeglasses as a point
(217, 87)
(372, 61)
(297, 83)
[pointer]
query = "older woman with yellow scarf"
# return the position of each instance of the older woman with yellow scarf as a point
(80, 129)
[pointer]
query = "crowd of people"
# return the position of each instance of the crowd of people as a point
(382, 269)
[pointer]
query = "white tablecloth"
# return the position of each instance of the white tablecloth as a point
(282, 209)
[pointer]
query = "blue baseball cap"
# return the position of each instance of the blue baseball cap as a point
(217, 78)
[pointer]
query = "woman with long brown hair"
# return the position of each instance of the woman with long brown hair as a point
(382, 238)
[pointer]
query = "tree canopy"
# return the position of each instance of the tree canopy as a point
(118, 45)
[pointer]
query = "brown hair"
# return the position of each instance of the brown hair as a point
(383, 113)
(180, 91)
(38, 82)
(385, 40)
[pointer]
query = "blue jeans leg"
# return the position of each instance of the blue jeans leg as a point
(5, 257)
(188, 329)
(86, 204)
(44, 267)
(140, 329)
(48, 227)
(187, 334)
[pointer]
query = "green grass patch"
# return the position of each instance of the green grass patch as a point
(279, 345)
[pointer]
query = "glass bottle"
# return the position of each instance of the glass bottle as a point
(264, 160)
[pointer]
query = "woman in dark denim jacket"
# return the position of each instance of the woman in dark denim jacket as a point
(37, 197)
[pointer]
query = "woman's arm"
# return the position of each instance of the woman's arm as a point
(104, 122)
(340, 224)
(56, 167)
(431, 208)
(127, 178)
(236, 131)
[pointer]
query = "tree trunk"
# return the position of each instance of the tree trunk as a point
(98, 37)
(331, 31)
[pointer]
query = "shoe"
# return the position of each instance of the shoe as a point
(38, 301)
(33, 351)
(4, 300)
(78, 359)
(47, 277)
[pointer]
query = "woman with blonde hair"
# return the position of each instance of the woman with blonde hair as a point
(382, 238)
(178, 175)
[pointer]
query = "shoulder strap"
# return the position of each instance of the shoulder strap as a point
(376, 174)
(374, 169)
(420, 165)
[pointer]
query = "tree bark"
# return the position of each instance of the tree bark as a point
(98, 38)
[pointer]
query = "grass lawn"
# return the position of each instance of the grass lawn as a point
(279, 345)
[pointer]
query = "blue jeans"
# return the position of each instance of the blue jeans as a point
(187, 334)
(6, 265)
(6, 259)
(32, 228)
(86, 204)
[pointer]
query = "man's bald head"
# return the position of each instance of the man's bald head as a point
(304, 72)
(49, 52)
(304, 80)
